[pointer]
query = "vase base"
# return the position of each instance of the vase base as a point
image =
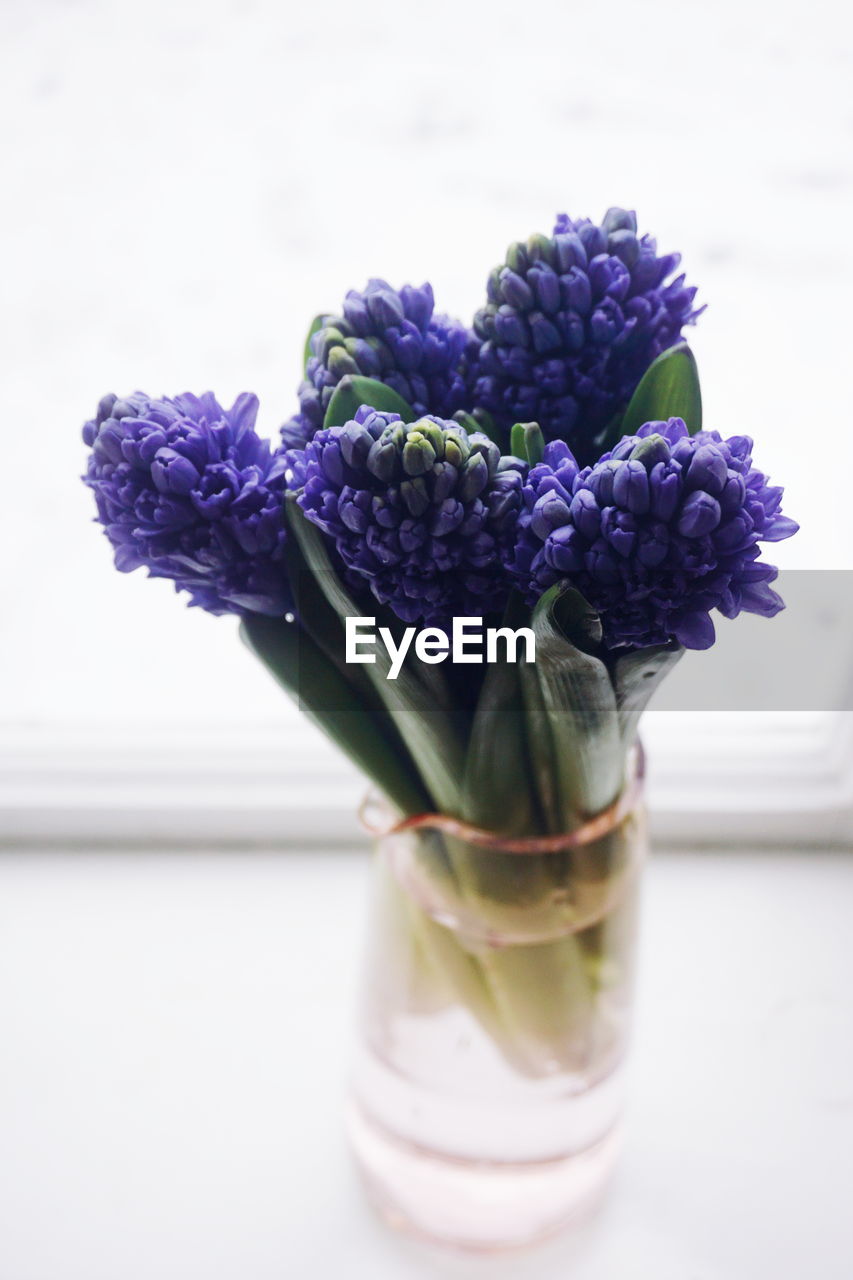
(477, 1206)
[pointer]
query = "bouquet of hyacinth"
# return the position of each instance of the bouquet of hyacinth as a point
(546, 469)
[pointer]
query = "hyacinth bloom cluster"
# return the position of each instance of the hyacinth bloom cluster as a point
(419, 512)
(655, 534)
(429, 518)
(189, 491)
(380, 505)
(392, 336)
(571, 324)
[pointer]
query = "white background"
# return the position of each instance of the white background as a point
(177, 1029)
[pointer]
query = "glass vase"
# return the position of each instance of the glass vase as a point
(487, 1084)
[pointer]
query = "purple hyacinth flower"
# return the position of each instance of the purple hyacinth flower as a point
(571, 323)
(420, 514)
(392, 336)
(190, 492)
(656, 534)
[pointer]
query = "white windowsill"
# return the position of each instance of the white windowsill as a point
(713, 778)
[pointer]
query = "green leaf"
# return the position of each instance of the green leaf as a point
(466, 420)
(325, 622)
(416, 701)
(636, 676)
(353, 391)
(486, 423)
(312, 679)
(316, 324)
(527, 442)
(573, 722)
(325, 628)
(668, 389)
(497, 791)
(480, 420)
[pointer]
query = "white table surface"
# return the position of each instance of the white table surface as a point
(174, 1039)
